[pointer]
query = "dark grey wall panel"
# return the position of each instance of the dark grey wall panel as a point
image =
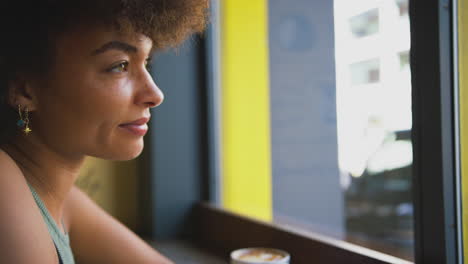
(175, 162)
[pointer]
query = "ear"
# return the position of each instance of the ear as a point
(21, 92)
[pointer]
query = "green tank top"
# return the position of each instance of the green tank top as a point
(61, 240)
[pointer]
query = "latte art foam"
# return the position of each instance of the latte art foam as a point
(260, 255)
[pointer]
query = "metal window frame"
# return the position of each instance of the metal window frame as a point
(221, 232)
(434, 135)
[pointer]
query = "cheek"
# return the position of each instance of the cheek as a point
(100, 108)
(85, 114)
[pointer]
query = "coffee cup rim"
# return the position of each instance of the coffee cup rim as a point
(236, 253)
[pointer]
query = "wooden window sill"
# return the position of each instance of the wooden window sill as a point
(221, 232)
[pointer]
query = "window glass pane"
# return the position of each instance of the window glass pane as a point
(365, 24)
(339, 109)
(403, 7)
(365, 72)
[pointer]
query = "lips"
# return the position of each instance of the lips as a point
(137, 127)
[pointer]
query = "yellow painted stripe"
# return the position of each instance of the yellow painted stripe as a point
(463, 69)
(245, 107)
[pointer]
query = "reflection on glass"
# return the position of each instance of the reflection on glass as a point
(341, 122)
(375, 149)
(340, 108)
(365, 24)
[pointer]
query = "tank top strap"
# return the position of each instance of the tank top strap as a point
(61, 240)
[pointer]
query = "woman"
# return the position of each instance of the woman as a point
(74, 83)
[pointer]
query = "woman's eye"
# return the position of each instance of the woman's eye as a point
(121, 67)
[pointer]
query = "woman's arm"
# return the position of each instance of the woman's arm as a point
(96, 237)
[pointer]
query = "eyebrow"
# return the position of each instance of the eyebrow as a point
(116, 45)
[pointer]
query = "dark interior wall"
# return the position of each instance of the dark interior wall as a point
(174, 159)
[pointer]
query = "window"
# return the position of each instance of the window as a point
(404, 60)
(302, 92)
(365, 24)
(403, 7)
(365, 72)
(316, 122)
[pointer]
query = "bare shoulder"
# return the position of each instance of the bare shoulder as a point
(24, 238)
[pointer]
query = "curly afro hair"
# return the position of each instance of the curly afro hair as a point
(30, 28)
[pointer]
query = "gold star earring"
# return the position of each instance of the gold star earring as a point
(23, 122)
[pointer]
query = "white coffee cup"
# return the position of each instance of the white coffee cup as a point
(259, 256)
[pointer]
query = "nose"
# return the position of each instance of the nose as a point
(150, 95)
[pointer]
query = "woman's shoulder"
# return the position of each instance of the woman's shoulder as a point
(12, 181)
(24, 236)
(7, 164)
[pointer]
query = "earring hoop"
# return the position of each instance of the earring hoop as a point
(23, 122)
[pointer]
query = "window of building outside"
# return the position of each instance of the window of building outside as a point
(365, 24)
(365, 72)
(340, 121)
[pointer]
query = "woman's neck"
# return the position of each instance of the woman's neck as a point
(50, 173)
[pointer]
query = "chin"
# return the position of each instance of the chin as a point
(122, 153)
(128, 156)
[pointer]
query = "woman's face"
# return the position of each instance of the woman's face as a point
(96, 98)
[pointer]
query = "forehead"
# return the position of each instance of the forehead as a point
(83, 40)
